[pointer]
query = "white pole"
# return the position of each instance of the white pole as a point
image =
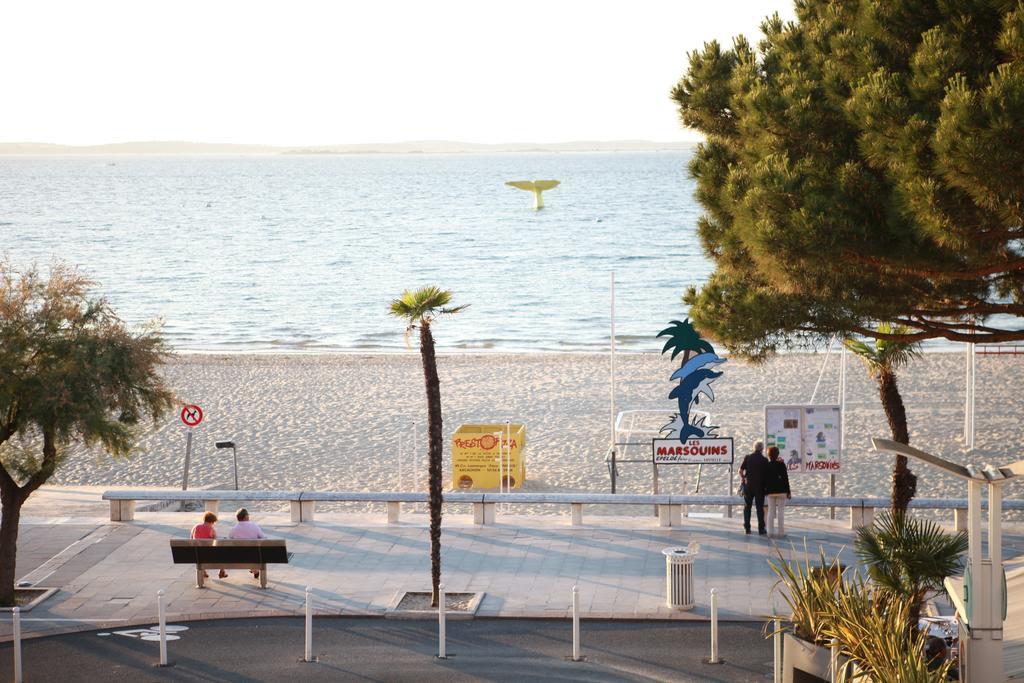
(821, 373)
(612, 366)
(309, 625)
(576, 624)
(401, 456)
(16, 617)
(974, 383)
(777, 650)
(441, 654)
(508, 452)
(833, 663)
(714, 627)
(163, 626)
(501, 462)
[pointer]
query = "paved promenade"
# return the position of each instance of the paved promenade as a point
(108, 573)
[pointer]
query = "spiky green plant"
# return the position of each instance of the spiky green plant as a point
(909, 557)
(808, 590)
(870, 627)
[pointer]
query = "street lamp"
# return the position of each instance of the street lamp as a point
(981, 599)
(231, 445)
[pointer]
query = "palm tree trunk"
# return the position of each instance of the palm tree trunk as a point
(10, 510)
(433, 385)
(904, 483)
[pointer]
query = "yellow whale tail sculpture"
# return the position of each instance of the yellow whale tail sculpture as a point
(536, 187)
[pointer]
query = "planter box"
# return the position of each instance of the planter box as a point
(804, 662)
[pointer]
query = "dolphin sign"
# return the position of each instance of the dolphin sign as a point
(536, 187)
(695, 377)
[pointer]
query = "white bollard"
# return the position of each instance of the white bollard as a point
(777, 648)
(16, 619)
(163, 626)
(576, 624)
(441, 650)
(714, 627)
(833, 663)
(309, 625)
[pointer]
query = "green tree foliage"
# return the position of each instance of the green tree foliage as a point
(883, 359)
(862, 164)
(419, 309)
(70, 371)
(909, 557)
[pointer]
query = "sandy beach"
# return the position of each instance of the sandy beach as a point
(334, 422)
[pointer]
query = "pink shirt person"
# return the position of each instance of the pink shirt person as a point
(245, 530)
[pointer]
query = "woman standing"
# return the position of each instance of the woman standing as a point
(776, 488)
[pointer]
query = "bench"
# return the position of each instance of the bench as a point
(209, 553)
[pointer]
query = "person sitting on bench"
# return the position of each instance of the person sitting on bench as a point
(247, 531)
(205, 530)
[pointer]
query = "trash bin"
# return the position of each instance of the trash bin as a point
(679, 576)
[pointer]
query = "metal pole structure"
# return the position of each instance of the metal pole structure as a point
(969, 399)
(441, 650)
(728, 508)
(508, 453)
(612, 382)
(163, 626)
(714, 627)
(309, 625)
(777, 650)
(401, 457)
(576, 624)
(234, 454)
(16, 618)
(821, 373)
(501, 461)
(833, 661)
(188, 459)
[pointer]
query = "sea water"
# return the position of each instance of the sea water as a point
(293, 253)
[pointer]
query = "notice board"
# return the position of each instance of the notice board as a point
(808, 437)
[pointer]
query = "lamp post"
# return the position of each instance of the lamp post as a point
(231, 445)
(981, 600)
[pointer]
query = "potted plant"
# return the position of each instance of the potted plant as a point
(870, 626)
(909, 557)
(809, 591)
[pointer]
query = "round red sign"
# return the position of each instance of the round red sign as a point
(191, 415)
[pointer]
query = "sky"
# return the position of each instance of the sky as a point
(296, 72)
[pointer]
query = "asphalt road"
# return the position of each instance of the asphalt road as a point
(373, 649)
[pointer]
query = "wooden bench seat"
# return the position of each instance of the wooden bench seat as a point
(207, 553)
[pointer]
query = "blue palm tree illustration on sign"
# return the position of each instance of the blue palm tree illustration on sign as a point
(695, 377)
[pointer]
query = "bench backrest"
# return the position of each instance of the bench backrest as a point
(212, 551)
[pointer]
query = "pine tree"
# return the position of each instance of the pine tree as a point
(862, 164)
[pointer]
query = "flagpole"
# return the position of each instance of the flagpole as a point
(612, 384)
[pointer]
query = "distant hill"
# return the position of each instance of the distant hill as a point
(411, 147)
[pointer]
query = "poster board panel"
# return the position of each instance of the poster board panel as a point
(808, 437)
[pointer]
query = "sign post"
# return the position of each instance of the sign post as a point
(191, 415)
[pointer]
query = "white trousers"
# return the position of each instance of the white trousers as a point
(776, 506)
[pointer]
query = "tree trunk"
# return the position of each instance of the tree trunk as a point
(435, 453)
(10, 509)
(904, 483)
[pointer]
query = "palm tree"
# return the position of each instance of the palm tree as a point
(883, 359)
(419, 309)
(682, 337)
(909, 557)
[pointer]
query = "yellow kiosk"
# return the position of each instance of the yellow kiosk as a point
(488, 456)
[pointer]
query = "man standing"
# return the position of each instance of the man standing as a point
(752, 474)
